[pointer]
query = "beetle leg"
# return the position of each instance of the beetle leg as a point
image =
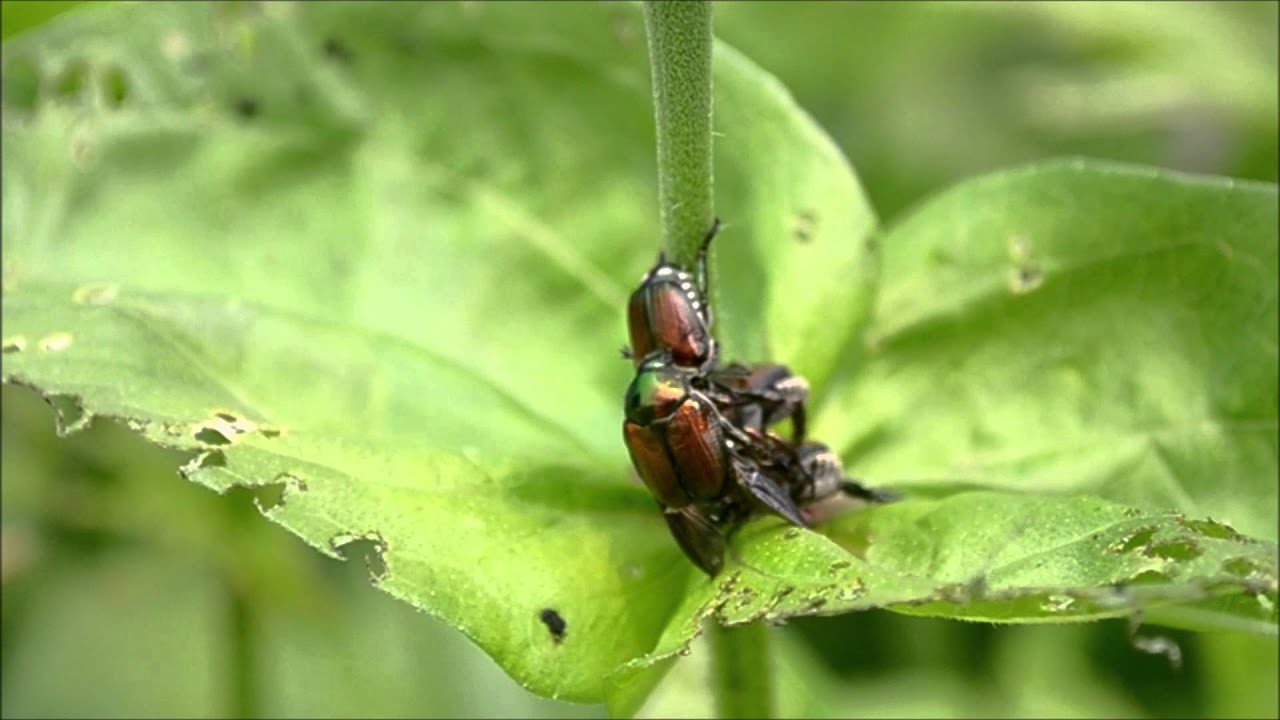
(700, 540)
(767, 491)
(763, 394)
(700, 263)
(853, 488)
(824, 477)
(787, 394)
(751, 416)
(700, 271)
(727, 427)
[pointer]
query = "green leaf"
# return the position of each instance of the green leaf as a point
(1055, 332)
(370, 260)
(995, 557)
(1077, 327)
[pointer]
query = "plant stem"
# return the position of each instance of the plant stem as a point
(243, 658)
(680, 41)
(741, 670)
(679, 33)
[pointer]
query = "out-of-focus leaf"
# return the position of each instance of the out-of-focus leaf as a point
(923, 95)
(95, 638)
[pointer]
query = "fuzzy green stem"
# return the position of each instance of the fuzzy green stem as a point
(741, 671)
(242, 657)
(680, 41)
(679, 33)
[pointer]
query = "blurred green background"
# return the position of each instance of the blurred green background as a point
(127, 591)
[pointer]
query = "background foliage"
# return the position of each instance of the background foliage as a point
(95, 526)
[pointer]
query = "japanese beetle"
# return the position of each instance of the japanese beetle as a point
(822, 475)
(811, 472)
(698, 537)
(758, 396)
(693, 460)
(669, 312)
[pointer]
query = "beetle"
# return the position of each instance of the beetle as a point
(759, 396)
(810, 474)
(694, 461)
(811, 471)
(669, 312)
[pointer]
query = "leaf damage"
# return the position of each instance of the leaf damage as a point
(370, 546)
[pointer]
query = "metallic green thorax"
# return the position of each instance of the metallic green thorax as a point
(655, 392)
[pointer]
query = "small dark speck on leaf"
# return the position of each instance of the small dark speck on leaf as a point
(804, 226)
(247, 107)
(1025, 277)
(555, 624)
(336, 50)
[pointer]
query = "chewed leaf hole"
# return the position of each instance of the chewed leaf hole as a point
(115, 87)
(210, 459)
(69, 415)
(1175, 550)
(1150, 577)
(1025, 278)
(69, 83)
(804, 226)
(269, 497)
(1241, 567)
(246, 108)
(1211, 529)
(368, 545)
(176, 46)
(21, 85)
(1025, 275)
(336, 50)
(95, 294)
(222, 427)
(1019, 248)
(211, 436)
(55, 342)
(1138, 539)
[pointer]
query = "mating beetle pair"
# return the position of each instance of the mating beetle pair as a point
(698, 433)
